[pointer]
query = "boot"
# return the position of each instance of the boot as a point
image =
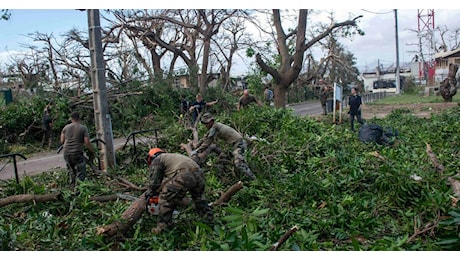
(160, 228)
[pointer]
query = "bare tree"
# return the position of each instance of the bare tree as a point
(291, 57)
(232, 39)
(196, 25)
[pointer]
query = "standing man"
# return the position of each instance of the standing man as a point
(323, 94)
(247, 99)
(229, 135)
(73, 137)
(268, 96)
(198, 106)
(172, 175)
(354, 108)
(47, 124)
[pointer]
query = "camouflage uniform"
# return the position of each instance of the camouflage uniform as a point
(232, 137)
(172, 175)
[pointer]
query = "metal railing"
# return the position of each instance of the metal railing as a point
(13, 155)
(133, 134)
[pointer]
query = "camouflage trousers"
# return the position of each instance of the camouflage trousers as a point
(76, 167)
(239, 160)
(174, 190)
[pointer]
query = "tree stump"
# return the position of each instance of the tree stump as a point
(448, 87)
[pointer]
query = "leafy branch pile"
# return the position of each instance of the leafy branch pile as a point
(339, 193)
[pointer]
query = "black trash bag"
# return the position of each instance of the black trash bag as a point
(377, 134)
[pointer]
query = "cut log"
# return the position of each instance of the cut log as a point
(23, 198)
(228, 194)
(135, 210)
(283, 239)
(128, 218)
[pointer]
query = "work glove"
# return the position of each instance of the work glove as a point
(153, 191)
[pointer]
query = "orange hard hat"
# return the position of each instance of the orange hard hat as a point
(153, 153)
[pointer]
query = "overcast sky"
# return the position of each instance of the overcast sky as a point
(377, 45)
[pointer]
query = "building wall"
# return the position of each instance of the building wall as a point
(370, 78)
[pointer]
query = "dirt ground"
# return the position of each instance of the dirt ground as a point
(423, 110)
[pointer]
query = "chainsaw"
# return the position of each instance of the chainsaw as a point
(152, 206)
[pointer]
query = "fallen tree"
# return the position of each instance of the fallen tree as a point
(135, 210)
(24, 198)
(453, 180)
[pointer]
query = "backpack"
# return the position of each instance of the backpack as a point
(375, 133)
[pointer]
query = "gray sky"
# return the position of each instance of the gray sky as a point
(379, 41)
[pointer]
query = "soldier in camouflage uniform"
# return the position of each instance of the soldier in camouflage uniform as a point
(171, 177)
(231, 136)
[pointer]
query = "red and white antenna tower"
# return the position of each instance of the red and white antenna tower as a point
(425, 19)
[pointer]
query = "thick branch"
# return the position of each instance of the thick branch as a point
(329, 30)
(276, 76)
(283, 239)
(29, 198)
(228, 194)
(439, 167)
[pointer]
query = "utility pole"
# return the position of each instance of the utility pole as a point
(398, 81)
(101, 109)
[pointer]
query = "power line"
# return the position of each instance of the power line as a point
(391, 11)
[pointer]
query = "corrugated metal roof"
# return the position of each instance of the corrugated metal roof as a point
(446, 54)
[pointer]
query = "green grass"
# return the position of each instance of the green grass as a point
(412, 99)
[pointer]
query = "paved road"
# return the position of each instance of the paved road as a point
(45, 162)
(307, 108)
(49, 161)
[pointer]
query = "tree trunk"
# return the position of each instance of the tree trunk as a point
(128, 218)
(280, 96)
(448, 86)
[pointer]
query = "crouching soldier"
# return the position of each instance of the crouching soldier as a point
(218, 131)
(172, 175)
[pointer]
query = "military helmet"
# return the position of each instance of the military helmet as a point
(206, 118)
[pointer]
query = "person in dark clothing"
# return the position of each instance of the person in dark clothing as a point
(354, 108)
(268, 96)
(246, 99)
(323, 95)
(47, 127)
(198, 106)
(73, 137)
